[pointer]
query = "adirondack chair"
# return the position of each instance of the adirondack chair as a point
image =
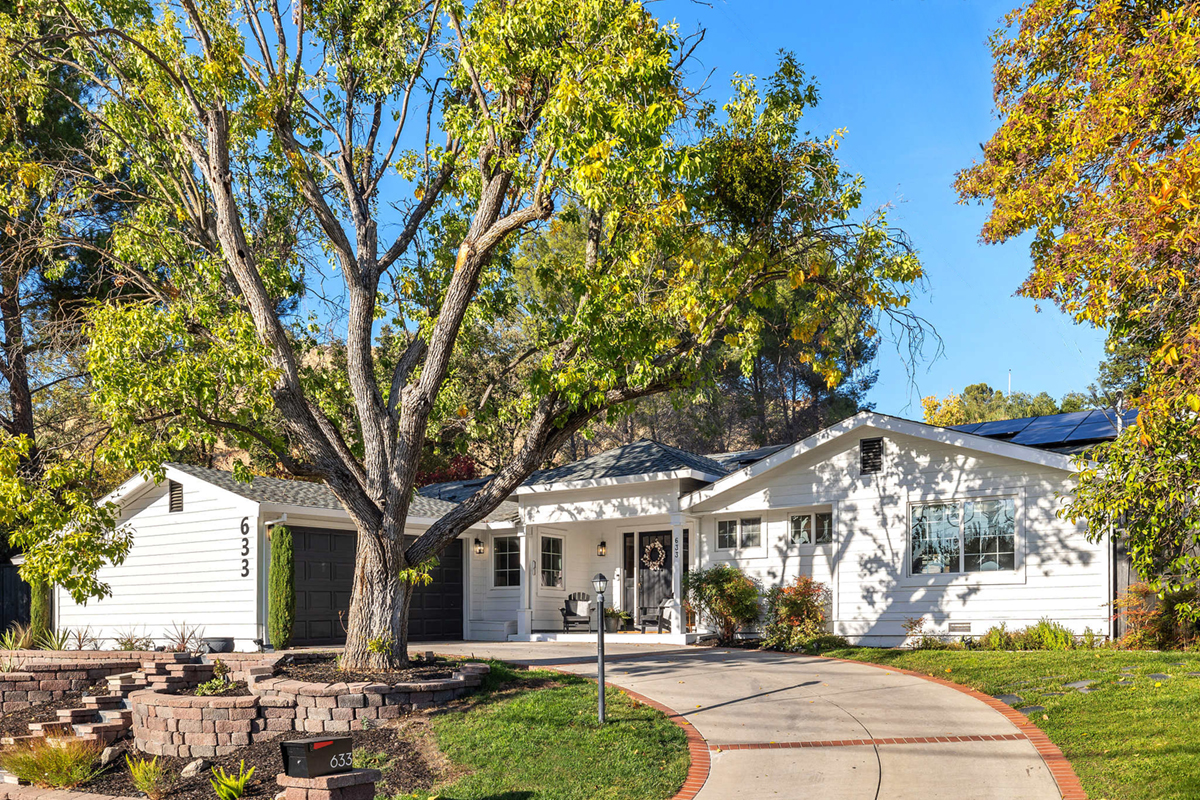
(577, 610)
(657, 615)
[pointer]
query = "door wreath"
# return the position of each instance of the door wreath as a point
(653, 560)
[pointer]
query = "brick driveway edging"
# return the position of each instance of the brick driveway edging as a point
(1060, 769)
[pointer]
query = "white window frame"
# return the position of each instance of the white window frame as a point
(813, 528)
(1017, 575)
(741, 540)
(562, 569)
(737, 526)
(493, 570)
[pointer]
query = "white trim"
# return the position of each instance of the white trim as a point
(492, 564)
(942, 580)
(594, 483)
(562, 539)
(881, 422)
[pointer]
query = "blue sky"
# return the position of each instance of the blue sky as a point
(911, 81)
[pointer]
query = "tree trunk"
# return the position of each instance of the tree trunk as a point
(377, 628)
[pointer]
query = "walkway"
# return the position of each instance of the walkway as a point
(785, 726)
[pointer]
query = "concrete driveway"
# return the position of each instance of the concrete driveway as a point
(789, 726)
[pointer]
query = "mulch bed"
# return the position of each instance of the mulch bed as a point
(236, 689)
(326, 670)
(407, 763)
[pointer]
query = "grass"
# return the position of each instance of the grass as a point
(1124, 742)
(62, 764)
(534, 736)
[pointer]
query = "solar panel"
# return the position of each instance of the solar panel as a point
(1051, 428)
(1003, 427)
(966, 428)
(1101, 424)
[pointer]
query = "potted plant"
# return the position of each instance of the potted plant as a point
(615, 619)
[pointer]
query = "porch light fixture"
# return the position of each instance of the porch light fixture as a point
(600, 583)
(478, 547)
(602, 549)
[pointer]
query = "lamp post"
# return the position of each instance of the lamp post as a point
(600, 583)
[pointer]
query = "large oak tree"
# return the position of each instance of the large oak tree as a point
(335, 191)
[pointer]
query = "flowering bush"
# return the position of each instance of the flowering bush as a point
(1155, 622)
(725, 596)
(796, 615)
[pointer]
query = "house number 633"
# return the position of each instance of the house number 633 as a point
(245, 546)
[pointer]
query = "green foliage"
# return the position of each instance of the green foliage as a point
(61, 764)
(65, 535)
(150, 777)
(368, 759)
(218, 684)
(231, 787)
(17, 637)
(40, 611)
(132, 639)
(795, 615)
(1157, 621)
(281, 591)
(54, 640)
(419, 574)
(981, 403)
(724, 596)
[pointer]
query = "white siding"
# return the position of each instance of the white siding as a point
(1059, 574)
(183, 568)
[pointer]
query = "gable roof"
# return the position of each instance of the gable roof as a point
(1071, 432)
(644, 458)
(881, 422)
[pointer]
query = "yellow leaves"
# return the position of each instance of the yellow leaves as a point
(30, 174)
(1193, 402)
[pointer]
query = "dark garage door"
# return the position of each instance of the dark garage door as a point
(325, 577)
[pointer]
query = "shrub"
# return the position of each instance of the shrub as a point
(84, 639)
(725, 596)
(795, 615)
(17, 637)
(1158, 622)
(281, 592)
(54, 640)
(231, 787)
(130, 639)
(996, 638)
(61, 764)
(1045, 635)
(150, 777)
(182, 638)
(39, 609)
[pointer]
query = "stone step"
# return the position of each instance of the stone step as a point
(43, 729)
(77, 714)
(103, 701)
(10, 741)
(121, 715)
(101, 731)
(8, 777)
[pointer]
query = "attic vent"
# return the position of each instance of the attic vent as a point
(870, 456)
(175, 490)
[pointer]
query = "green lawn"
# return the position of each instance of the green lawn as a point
(1125, 742)
(545, 744)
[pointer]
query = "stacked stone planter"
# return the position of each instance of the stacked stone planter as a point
(194, 727)
(41, 682)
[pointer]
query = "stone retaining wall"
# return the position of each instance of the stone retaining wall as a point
(33, 683)
(191, 727)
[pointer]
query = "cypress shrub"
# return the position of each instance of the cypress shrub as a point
(281, 588)
(39, 609)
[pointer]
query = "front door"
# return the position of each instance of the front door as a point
(654, 570)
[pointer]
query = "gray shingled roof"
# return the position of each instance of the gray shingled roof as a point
(643, 457)
(300, 493)
(741, 458)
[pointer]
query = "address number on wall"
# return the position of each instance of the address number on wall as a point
(245, 547)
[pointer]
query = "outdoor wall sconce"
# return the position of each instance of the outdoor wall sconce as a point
(602, 549)
(478, 547)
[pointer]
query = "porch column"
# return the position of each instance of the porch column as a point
(677, 621)
(525, 535)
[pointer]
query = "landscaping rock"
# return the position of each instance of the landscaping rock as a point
(109, 755)
(1159, 676)
(1124, 683)
(1008, 699)
(1080, 685)
(1031, 710)
(1193, 674)
(194, 768)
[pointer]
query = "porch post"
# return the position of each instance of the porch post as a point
(525, 606)
(677, 620)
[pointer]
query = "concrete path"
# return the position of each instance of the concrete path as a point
(786, 726)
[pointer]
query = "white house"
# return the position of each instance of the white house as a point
(899, 519)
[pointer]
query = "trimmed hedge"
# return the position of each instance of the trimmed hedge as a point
(39, 610)
(281, 588)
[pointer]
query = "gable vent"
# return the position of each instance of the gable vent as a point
(175, 490)
(870, 456)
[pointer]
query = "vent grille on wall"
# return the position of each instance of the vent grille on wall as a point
(176, 496)
(870, 456)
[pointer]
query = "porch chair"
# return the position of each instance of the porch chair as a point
(657, 615)
(577, 610)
